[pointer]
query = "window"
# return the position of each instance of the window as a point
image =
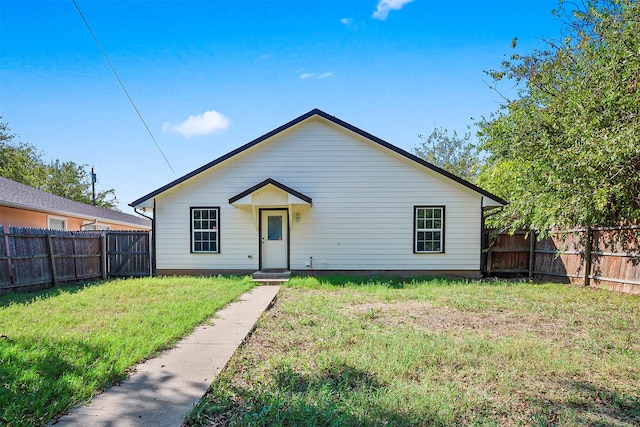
(205, 230)
(94, 226)
(429, 229)
(274, 227)
(56, 223)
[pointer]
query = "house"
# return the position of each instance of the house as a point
(25, 206)
(318, 195)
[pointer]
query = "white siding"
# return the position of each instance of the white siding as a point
(362, 214)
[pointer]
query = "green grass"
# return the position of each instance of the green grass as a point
(60, 347)
(353, 352)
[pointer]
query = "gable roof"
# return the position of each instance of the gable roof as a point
(270, 181)
(332, 119)
(17, 195)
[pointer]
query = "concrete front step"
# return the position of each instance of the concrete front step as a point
(271, 276)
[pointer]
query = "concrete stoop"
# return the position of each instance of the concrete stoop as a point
(271, 277)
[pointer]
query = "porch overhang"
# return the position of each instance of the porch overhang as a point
(271, 194)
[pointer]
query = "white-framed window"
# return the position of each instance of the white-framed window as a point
(93, 226)
(56, 223)
(428, 227)
(205, 230)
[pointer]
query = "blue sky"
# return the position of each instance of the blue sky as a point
(209, 76)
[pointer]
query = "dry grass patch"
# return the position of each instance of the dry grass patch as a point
(449, 320)
(435, 353)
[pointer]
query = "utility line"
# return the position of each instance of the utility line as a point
(122, 85)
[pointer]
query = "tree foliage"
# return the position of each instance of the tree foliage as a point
(567, 151)
(23, 162)
(450, 152)
(73, 181)
(20, 162)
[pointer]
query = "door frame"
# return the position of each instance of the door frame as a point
(286, 211)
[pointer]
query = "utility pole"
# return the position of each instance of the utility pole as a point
(93, 186)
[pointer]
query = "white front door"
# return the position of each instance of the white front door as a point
(274, 239)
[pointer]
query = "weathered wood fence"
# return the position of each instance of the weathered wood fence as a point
(128, 253)
(33, 259)
(606, 257)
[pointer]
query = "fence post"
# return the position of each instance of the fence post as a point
(532, 252)
(6, 239)
(103, 255)
(587, 256)
(150, 246)
(52, 260)
(489, 260)
(75, 258)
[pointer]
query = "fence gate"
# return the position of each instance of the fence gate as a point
(128, 253)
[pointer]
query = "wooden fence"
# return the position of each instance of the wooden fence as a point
(33, 259)
(605, 257)
(128, 253)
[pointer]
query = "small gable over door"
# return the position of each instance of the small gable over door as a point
(271, 194)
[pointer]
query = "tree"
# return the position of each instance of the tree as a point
(20, 162)
(566, 152)
(71, 180)
(451, 153)
(23, 162)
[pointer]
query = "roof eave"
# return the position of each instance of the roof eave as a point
(49, 211)
(221, 159)
(271, 181)
(335, 120)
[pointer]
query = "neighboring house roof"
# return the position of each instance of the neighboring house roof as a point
(332, 119)
(16, 195)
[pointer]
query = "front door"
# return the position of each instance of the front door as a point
(274, 239)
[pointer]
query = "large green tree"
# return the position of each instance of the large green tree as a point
(567, 151)
(450, 152)
(73, 181)
(20, 162)
(24, 163)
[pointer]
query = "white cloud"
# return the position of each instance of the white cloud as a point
(203, 124)
(348, 22)
(386, 6)
(304, 76)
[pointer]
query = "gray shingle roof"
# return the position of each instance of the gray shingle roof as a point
(17, 195)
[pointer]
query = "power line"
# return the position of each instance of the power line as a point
(122, 85)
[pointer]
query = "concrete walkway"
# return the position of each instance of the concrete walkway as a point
(164, 389)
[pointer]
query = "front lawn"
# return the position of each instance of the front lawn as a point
(434, 353)
(59, 347)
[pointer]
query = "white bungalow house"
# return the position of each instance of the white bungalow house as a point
(318, 195)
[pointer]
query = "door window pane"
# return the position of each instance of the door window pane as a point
(274, 227)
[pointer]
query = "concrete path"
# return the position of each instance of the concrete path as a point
(164, 389)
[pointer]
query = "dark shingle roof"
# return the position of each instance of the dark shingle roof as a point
(17, 195)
